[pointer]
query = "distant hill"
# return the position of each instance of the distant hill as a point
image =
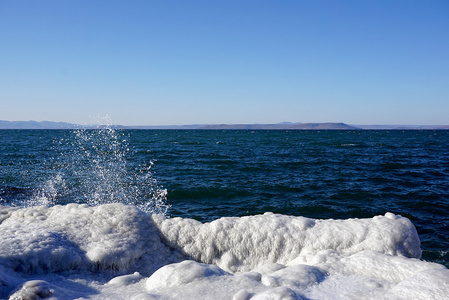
(283, 126)
(403, 127)
(279, 126)
(63, 125)
(36, 125)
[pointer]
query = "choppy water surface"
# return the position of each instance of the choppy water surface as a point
(209, 174)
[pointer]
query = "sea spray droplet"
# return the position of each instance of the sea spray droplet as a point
(48, 194)
(93, 167)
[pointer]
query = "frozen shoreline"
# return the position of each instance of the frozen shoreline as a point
(117, 251)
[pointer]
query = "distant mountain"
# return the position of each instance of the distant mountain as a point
(185, 127)
(36, 125)
(279, 126)
(403, 127)
(284, 126)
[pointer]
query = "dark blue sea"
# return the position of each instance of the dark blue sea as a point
(206, 175)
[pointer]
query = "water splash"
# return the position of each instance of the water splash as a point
(96, 166)
(48, 194)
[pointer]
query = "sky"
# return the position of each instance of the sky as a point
(225, 62)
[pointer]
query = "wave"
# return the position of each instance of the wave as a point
(118, 251)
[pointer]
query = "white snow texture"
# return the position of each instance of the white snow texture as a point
(115, 251)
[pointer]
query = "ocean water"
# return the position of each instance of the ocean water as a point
(189, 183)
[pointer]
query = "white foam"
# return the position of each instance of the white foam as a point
(116, 251)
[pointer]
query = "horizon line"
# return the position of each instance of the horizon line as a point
(203, 124)
(32, 124)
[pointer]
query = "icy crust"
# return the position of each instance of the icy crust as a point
(241, 244)
(77, 237)
(115, 251)
(394, 277)
(116, 237)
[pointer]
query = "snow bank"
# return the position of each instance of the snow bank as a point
(241, 244)
(116, 251)
(108, 237)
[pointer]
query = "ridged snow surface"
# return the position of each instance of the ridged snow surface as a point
(115, 251)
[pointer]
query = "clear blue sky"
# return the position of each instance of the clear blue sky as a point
(198, 62)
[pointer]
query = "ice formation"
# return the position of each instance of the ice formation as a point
(117, 251)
